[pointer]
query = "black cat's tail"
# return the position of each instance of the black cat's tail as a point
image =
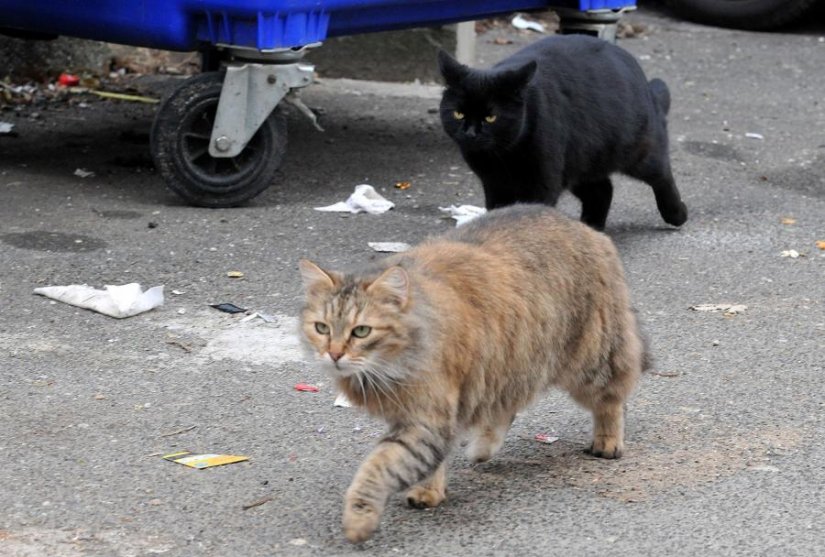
(661, 94)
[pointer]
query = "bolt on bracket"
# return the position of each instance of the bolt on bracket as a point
(249, 95)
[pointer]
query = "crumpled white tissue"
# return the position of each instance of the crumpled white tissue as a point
(463, 213)
(363, 200)
(115, 301)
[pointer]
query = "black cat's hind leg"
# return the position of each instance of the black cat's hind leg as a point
(595, 197)
(655, 171)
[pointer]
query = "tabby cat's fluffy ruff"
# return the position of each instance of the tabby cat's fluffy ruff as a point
(562, 113)
(453, 338)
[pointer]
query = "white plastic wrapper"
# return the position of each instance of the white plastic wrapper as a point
(463, 213)
(115, 301)
(363, 200)
(390, 247)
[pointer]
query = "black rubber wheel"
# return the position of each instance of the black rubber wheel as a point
(742, 14)
(180, 148)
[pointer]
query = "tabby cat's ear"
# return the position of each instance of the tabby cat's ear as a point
(517, 79)
(393, 283)
(452, 71)
(314, 276)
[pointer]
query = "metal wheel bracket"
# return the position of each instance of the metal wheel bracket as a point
(597, 23)
(249, 94)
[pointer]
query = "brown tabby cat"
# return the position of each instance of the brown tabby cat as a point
(451, 339)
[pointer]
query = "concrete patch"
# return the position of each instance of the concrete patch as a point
(252, 342)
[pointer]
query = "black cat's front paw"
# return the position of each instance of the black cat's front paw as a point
(677, 216)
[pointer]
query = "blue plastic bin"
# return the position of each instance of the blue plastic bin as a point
(186, 25)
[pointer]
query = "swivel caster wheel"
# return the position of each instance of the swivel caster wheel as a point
(180, 148)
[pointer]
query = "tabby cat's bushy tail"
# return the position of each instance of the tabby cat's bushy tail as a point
(661, 94)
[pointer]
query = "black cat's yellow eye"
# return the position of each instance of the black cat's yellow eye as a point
(361, 331)
(322, 328)
(458, 115)
(490, 119)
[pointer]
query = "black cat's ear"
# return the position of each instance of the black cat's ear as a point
(450, 68)
(517, 79)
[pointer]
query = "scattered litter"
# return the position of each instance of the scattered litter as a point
(178, 431)
(522, 24)
(235, 274)
(115, 301)
(68, 80)
(122, 97)
(306, 388)
(715, 343)
(390, 247)
(665, 373)
(788, 220)
(363, 199)
(298, 541)
(403, 185)
(258, 503)
(6, 127)
(752, 135)
(257, 315)
(546, 439)
(463, 213)
(175, 342)
(341, 401)
(792, 253)
(820, 244)
(227, 308)
(83, 173)
(294, 98)
(99, 396)
(502, 41)
(200, 461)
(178, 292)
(727, 309)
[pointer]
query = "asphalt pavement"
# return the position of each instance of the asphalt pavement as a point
(724, 450)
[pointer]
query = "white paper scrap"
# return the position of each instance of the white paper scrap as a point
(363, 200)
(83, 173)
(6, 127)
(519, 22)
(390, 247)
(729, 309)
(115, 301)
(463, 213)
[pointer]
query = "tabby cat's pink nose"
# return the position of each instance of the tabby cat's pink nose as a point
(335, 355)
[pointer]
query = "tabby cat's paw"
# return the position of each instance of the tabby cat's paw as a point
(360, 521)
(606, 447)
(420, 497)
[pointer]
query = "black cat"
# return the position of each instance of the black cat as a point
(563, 113)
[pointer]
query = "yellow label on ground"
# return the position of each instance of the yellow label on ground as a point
(203, 460)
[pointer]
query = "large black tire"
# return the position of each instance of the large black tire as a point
(742, 14)
(180, 148)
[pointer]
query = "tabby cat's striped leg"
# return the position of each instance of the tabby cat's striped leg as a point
(431, 492)
(403, 458)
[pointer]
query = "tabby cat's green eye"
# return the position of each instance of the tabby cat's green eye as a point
(361, 331)
(458, 115)
(322, 328)
(490, 119)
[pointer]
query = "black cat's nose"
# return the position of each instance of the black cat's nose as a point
(470, 132)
